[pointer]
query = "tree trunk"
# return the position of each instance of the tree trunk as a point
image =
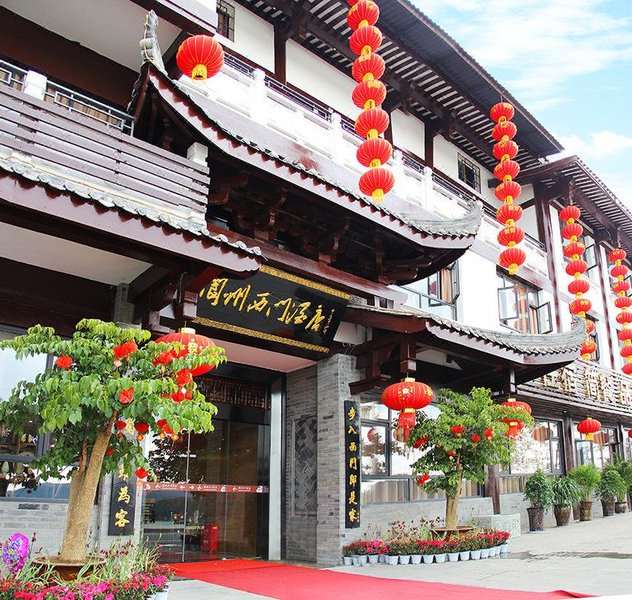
(452, 507)
(83, 489)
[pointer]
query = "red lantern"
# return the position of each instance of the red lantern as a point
(407, 396)
(624, 317)
(617, 254)
(623, 302)
(505, 150)
(510, 236)
(365, 40)
(200, 57)
(191, 342)
(572, 230)
(504, 129)
(570, 214)
(627, 368)
(620, 287)
(590, 326)
(508, 189)
(512, 258)
(367, 67)
(371, 123)
(588, 427)
(362, 14)
(509, 212)
(369, 94)
(374, 152)
(588, 347)
(506, 169)
(376, 183)
(578, 286)
(501, 111)
(574, 249)
(625, 335)
(580, 306)
(619, 271)
(515, 425)
(576, 267)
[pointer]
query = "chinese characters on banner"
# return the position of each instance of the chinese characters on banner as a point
(122, 504)
(352, 464)
(276, 306)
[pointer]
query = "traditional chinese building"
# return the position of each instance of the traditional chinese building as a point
(129, 192)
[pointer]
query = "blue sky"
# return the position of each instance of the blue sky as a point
(568, 62)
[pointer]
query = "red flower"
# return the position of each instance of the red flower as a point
(420, 442)
(141, 473)
(109, 451)
(178, 396)
(124, 349)
(488, 434)
(125, 396)
(141, 427)
(64, 362)
(457, 430)
(422, 479)
(184, 376)
(164, 358)
(476, 438)
(120, 425)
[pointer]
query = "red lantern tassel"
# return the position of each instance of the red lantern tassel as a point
(407, 420)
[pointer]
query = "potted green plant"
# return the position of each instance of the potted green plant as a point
(566, 494)
(611, 486)
(537, 491)
(625, 470)
(587, 479)
(106, 379)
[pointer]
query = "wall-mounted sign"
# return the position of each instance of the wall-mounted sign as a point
(122, 504)
(352, 464)
(275, 306)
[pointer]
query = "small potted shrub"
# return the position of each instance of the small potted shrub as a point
(399, 551)
(625, 470)
(587, 478)
(566, 494)
(611, 486)
(537, 491)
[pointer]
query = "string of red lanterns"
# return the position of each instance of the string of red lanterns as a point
(576, 268)
(368, 95)
(623, 302)
(505, 150)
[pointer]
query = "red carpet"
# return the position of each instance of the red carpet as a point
(201, 569)
(300, 583)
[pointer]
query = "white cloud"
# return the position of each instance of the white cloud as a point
(541, 43)
(600, 145)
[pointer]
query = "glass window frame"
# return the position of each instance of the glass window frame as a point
(536, 313)
(448, 291)
(226, 19)
(464, 166)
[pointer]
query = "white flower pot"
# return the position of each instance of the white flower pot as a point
(440, 558)
(495, 551)
(162, 595)
(427, 558)
(373, 559)
(392, 560)
(484, 552)
(382, 558)
(415, 559)
(464, 555)
(453, 556)
(475, 554)
(347, 561)
(504, 548)
(363, 559)
(404, 559)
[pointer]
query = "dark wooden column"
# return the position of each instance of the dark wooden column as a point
(492, 487)
(280, 55)
(568, 442)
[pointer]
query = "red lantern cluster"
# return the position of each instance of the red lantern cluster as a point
(589, 427)
(514, 425)
(407, 396)
(505, 150)
(368, 95)
(576, 267)
(623, 302)
(200, 57)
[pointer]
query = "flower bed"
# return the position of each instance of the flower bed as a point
(430, 548)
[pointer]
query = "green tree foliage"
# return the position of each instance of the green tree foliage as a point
(456, 453)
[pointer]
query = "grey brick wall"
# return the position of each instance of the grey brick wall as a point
(298, 524)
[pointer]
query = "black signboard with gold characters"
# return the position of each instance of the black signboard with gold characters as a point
(352, 464)
(122, 504)
(275, 306)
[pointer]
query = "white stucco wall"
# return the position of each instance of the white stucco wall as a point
(408, 132)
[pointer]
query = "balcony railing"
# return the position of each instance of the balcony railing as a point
(11, 75)
(303, 101)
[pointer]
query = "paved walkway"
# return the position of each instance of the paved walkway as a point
(593, 557)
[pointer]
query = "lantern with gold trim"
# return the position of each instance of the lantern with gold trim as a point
(589, 427)
(369, 95)
(514, 425)
(407, 396)
(623, 302)
(191, 342)
(505, 150)
(200, 57)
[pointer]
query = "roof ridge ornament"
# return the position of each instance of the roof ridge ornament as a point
(149, 45)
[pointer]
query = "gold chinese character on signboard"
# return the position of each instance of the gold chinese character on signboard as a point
(353, 447)
(353, 515)
(214, 292)
(121, 521)
(352, 498)
(352, 413)
(353, 480)
(237, 297)
(260, 304)
(590, 384)
(121, 472)
(315, 322)
(352, 430)
(353, 463)
(124, 495)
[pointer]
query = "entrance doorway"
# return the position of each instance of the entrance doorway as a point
(211, 500)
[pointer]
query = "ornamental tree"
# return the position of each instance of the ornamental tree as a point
(467, 435)
(109, 386)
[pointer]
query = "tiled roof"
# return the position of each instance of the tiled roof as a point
(120, 202)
